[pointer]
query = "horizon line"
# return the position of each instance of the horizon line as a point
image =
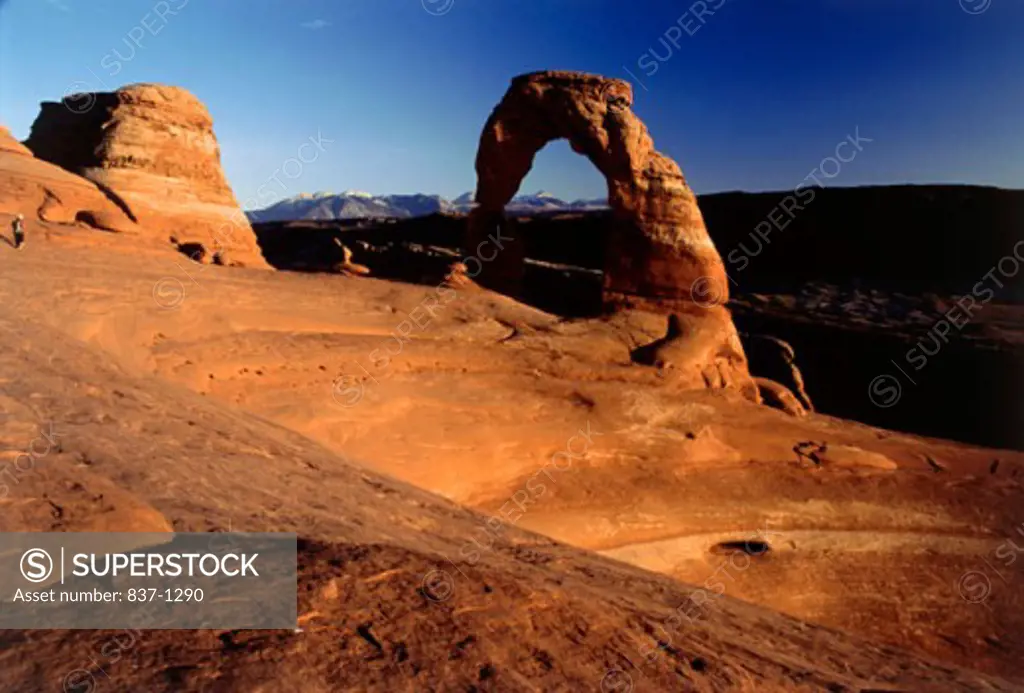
(784, 191)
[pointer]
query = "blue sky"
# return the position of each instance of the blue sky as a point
(752, 96)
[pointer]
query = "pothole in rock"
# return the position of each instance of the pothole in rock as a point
(751, 547)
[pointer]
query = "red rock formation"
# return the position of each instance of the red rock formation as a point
(659, 256)
(152, 148)
(659, 251)
(701, 349)
(40, 190)
(9, 145)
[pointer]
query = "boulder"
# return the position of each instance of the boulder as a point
(347, 266)
(775, 359)
(844, 456)
(700, 350)
(151, 148)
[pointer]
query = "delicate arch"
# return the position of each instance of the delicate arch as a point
(659, 252)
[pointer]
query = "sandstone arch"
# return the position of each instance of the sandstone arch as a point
(659, 256)
(659, 252)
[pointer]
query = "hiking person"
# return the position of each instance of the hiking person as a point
(18, 229)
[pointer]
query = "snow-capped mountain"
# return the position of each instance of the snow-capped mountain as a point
(351, 204)
(538, 202)
(355, 204)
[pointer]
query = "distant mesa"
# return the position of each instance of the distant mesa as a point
(152, 150)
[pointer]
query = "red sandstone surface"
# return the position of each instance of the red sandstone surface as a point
(152, 147)
(39, 190)
(596, 521)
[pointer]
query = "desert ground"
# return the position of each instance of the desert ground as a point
(203, 398)
(596, 478)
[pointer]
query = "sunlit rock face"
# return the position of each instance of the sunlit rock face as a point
(658, 254)
(151, 147)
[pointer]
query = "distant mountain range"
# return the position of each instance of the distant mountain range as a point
(353, 204)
